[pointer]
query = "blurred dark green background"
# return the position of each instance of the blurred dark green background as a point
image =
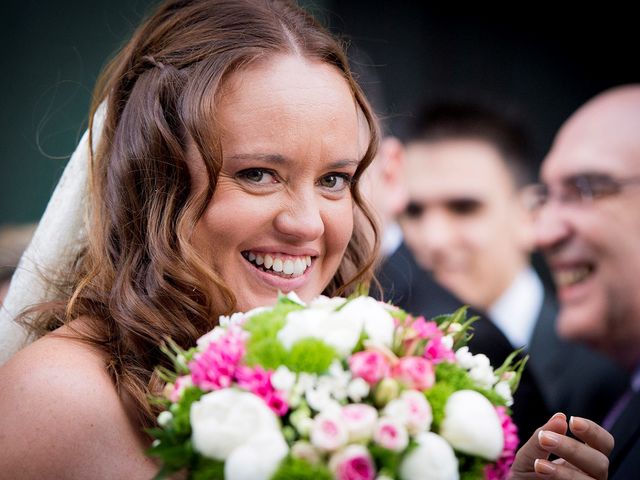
(546, 61)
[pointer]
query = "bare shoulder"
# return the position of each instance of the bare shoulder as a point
(62, 417)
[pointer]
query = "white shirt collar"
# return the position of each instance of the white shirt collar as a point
(516, 311)
(391, 239)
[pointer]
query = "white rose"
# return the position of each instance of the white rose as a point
(433, 458)
(472, 425)
(378, 322)
(301, 324)
(226, 419)
(327, 303)
(257, 459)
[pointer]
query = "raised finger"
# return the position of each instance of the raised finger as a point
(584, 457)
(592, 434)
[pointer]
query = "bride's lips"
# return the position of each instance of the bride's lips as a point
(280, 280)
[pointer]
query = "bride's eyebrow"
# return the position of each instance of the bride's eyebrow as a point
(277, 159)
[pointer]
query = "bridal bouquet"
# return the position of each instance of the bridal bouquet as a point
(347, 389)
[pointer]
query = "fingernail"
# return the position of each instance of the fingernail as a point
(559, 415)
(543, 467)
(578, 424)
(548, 439)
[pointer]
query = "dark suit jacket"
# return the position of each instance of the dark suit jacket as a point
(624, 461)
(408, 286)
(573, 379)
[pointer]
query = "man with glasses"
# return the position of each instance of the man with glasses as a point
(465, 164)
(588, 226)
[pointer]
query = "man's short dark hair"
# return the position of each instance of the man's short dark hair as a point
(455, 120)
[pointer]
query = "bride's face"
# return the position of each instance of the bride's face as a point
(282, 214)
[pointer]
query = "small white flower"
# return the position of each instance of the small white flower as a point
(357, 389)
(504, 390)
(256, 311)
(433, 458)
(483, 376)
(447, 341)
(225, 419)
(318, 398)
(283, 379)
(165, 418)
(471, 425)
(210, 337)
(258, 458)
(465, 358)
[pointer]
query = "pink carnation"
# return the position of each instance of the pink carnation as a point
(425, 329)
(437, 352)
(370, 365)
(414, 372)
(216, 366)
(500, 469)
(353, 463)
(258, 381)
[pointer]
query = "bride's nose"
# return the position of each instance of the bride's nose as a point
(301, 217)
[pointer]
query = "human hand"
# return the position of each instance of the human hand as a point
(583, 457)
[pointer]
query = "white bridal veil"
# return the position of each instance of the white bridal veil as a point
(60, 234)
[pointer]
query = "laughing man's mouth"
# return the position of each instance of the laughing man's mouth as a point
(568, 276)
(286, 266)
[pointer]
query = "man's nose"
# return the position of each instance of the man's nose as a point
(551, 226)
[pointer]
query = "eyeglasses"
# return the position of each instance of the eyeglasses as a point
(576, 189)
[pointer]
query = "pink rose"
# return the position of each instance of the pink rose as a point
(370, 365)
(328, 432)
(418, 411)
(360, 420)
(391, 434)
(353, 463)
(415, 372)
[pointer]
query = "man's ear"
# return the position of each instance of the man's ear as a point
(392, 154)
(525, 226)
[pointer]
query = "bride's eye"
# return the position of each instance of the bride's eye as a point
(335, 181)
(258, 176)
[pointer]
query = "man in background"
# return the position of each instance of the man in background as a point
(465, 222)
(588, 227)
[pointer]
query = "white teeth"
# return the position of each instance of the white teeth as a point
(570, 277)
(287, 267)
(277, 265)
(294, 267)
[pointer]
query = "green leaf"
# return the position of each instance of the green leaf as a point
(207, 469)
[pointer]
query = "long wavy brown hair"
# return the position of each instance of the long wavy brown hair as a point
(140, 279)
